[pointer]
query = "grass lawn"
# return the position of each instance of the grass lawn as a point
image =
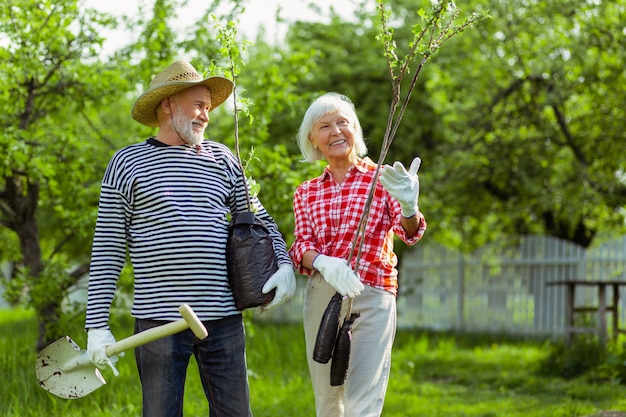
(433, 374)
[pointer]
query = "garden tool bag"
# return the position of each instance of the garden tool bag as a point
(250, 259)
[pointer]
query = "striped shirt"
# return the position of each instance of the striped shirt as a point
(168, 206)
(327, 216)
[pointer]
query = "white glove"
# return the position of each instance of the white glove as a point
(97, 341)
(284, 280)
(338, 274)
(402, 185)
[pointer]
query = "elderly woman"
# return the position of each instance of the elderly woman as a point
(327, 212)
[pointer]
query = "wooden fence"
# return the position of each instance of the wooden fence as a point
(500, 288)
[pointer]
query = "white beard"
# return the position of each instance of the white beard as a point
(184, 127)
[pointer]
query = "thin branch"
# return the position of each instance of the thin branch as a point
(438, 36)
(227, 35)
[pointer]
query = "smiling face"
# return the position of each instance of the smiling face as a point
(333, 135)
(190, 113)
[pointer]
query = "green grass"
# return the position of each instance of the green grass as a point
(433, 374)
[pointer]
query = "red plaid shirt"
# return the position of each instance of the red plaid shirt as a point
(327, 215)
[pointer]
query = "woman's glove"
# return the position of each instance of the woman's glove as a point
(284, 280)
(97, 341)
(402, 185)
(338, 274)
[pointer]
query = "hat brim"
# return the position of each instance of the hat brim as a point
(144, 109)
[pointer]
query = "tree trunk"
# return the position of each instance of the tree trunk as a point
(22, 197)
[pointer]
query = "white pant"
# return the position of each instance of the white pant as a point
(363, 393)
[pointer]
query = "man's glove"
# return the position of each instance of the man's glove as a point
(338, 274)
(402, 185)
(97, 341)
(284, 280)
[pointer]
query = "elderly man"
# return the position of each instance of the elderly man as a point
(166, 201)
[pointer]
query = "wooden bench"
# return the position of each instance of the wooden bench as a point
(601, 309)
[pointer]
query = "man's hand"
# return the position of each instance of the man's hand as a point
(338, 274)
(97, 341)
(403, 185)
(284, 280)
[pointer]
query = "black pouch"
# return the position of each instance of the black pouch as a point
(250, 259)
(341, 352)
(327, 332)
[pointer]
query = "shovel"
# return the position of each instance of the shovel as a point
(65, 370)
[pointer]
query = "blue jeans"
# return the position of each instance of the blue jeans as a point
(221, 359)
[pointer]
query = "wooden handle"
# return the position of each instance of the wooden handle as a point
(190, 320)
(193, 321)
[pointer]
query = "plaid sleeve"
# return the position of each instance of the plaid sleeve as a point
(303, 232)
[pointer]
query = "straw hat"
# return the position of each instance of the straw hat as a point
(177, 77)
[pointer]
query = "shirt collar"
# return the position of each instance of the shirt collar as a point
(363, 165)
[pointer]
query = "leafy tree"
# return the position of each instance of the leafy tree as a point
(51, 78)
(531, 111)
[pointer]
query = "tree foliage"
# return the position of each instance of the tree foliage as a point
(51, 80)
(531, 117)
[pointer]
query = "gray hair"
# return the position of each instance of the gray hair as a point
(327, 104)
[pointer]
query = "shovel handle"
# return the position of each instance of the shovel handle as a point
(193, 321)
(189, 321)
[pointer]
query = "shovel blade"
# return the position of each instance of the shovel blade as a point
(63, 369)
